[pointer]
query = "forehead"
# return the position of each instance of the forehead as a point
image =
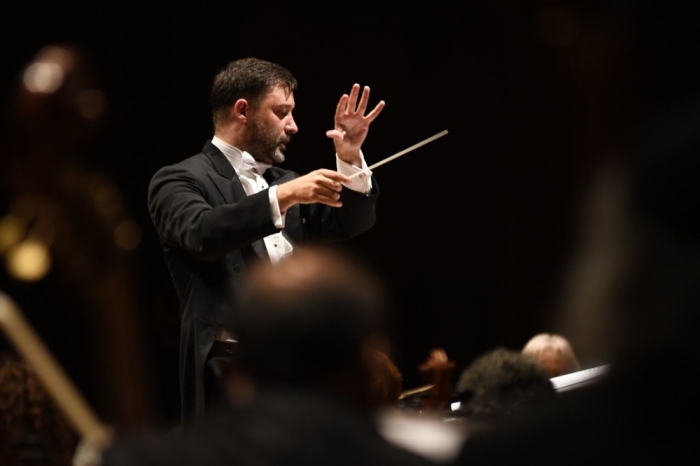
(278, 96)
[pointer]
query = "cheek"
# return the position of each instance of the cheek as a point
(270, 128)
(275, 125)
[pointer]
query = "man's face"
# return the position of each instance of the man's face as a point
(270, 127)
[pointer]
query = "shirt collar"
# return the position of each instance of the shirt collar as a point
(241, 160)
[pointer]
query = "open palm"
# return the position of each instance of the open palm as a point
(351, 123)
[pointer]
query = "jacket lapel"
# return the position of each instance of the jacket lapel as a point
(225, 179)
(230, 187)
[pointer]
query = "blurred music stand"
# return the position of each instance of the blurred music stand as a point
(578, 379)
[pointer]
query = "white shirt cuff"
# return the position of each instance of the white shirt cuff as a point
(362, 182)
(277, 217)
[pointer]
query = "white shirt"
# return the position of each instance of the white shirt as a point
(278, 247)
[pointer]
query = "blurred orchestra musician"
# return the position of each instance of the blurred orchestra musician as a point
(554, 352)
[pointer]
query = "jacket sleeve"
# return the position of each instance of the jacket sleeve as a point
(190, 214)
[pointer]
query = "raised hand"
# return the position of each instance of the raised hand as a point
(351, 123)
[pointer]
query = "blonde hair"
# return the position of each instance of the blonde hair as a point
(554, 352)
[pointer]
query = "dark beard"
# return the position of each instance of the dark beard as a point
(264, 145)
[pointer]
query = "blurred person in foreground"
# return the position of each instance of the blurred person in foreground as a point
(636, 284)
(303, 388)
(644, 411)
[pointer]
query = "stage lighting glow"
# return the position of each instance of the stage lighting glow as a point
(127, 235)
(29, 261)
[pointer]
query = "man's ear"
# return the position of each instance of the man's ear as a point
(240, 110)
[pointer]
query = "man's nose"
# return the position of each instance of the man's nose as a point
(291, 126)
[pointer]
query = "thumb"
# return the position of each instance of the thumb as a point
(334, 134)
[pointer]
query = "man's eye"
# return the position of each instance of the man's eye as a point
(282, 113)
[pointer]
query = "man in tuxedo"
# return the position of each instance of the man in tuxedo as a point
(228, 206)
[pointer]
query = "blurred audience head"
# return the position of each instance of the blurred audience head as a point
(554, 352)
(501, 384)
(317, 318)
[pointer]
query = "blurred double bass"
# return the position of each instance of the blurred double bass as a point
(436, 396)
(66, 237)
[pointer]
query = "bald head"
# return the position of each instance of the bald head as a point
(309, 317)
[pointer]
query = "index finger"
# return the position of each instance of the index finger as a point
(335, 176)
(352, 100)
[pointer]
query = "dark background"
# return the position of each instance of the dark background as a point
(475, 230)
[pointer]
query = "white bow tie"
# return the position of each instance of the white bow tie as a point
(250, 165)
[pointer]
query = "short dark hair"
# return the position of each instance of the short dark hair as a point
(246, 78)
(500, 384)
